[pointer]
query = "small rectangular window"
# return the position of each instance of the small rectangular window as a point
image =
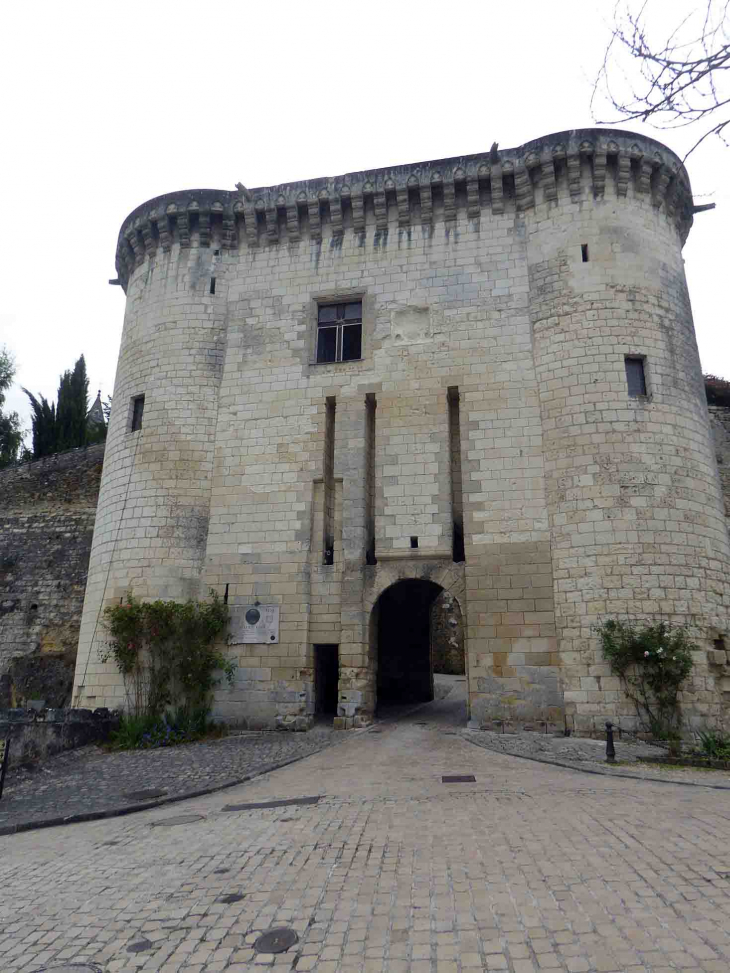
(584, 252)
(339, 332)
(635, 376)
(137, 411)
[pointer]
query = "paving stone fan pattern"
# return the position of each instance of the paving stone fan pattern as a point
(528, 868)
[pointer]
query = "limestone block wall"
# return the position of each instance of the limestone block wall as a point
(152, 523)
(500, 294)
(634, 499)
(47, 511)
(720, 426)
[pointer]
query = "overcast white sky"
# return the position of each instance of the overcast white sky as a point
(107, 105)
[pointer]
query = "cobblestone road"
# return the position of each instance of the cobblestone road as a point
(91, 780)
(529, 868)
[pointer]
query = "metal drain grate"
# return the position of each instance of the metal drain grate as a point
(141, 946)
(144, 795)
(71, 968)
(264, 804)
(180, 819)
(276, 940)
(459, 779)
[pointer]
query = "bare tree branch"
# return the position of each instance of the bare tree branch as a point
(672, 83)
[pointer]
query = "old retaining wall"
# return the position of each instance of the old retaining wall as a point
(47, 512)
(36, 735)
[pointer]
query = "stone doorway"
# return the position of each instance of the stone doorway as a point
(326, 678)
(404, 652)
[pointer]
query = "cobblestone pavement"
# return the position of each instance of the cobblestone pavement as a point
(91, 780)
(530, 868)
(582, 754)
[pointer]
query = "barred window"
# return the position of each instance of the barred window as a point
(635, 376)
(339, 332)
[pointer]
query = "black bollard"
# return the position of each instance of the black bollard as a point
(610, 751)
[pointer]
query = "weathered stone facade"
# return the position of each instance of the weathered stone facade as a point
(47, 511)
(484, 442)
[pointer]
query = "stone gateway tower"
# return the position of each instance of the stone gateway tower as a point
(468, 387)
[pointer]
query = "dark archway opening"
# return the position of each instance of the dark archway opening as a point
(405, 667)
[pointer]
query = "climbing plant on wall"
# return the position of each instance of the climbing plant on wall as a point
(165, 651)
(653, 660)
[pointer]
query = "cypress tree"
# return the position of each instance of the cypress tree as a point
(73, 407)
(44, 425)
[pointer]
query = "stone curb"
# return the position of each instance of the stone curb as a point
(588, 770)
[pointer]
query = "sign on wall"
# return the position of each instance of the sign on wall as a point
(254, 624)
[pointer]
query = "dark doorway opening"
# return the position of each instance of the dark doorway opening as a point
(405, 667)
(326, 679)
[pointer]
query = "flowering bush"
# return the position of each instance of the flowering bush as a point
(165, 653)
(652, 661)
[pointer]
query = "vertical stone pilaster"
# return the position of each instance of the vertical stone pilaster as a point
(357, 677)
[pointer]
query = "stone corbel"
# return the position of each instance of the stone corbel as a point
(426, 204)
(473, 210)
(204, 228)
(404, 210)
(524, 196)
(183, 230)
(292, 222)
(381, 209)
(272, 223)
(358, 212)
(497, 189)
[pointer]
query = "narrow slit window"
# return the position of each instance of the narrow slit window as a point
(339, 332)
(212, 285)
(137, 412)
(457, 504)
(328, 539)
(584, 252)
(635, 376)
(370, 408)
(414, 542)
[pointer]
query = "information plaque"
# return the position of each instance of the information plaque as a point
(254, 624)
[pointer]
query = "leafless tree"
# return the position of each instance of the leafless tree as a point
(669, 80)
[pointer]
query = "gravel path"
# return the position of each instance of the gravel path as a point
(582, 754)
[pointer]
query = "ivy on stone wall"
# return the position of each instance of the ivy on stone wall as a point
(165, 652)
(653, 660)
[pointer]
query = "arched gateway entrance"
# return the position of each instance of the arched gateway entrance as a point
(415, 626)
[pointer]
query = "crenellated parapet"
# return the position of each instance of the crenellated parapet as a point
(567, 167)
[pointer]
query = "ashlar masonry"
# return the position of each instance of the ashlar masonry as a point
(471, 382)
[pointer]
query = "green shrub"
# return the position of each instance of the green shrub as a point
(652, 659)
(165, 651)
(715, 744)
(149, 732)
